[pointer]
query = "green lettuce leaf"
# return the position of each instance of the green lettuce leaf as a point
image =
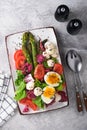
(19, 78)
(20, 84)
(20, 95)
(59, 88)
(21, 87)
(38, 101)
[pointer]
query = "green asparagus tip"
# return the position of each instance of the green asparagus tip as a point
(25, 36)
(31, 36)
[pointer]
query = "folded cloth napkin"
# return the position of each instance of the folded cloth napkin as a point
(4, 83)
(7, 109)
(7, 104)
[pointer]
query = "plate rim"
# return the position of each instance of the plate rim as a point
(6, 37)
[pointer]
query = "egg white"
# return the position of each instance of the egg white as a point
(47, 100)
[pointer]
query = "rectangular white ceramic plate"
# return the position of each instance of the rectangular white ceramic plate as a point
(14, 41)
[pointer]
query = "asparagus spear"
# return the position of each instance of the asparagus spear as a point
(34, 50)
(38, 46)
(25, 40)
(29, 48)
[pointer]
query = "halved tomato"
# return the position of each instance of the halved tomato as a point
(23, 101)
(29, 103)
(20, 62)
(17, 54)
(39, 72)
(58, 68)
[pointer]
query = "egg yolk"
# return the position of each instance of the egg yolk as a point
(52, 79)
(49, 92)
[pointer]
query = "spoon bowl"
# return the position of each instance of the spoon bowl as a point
(74, 61)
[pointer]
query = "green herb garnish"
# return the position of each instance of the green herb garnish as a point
(45, 64)
(40, 84)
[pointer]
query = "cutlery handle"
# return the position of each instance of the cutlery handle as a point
(85, 100)
(79, 102)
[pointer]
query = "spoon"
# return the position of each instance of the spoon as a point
(74, 62)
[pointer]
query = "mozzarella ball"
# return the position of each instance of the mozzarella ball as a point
(30, 85)
(55, 55)
(37, 91)
(50, 63)
(45, 54)
(50, 51)
(49, 45)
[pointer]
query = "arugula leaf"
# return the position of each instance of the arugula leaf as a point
(43, 85)
(38, 101)
(62, 78)
(37, 83)
(54, 59)
(45, 64)
(40, 84)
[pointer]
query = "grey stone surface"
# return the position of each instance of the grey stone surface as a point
(18, 15)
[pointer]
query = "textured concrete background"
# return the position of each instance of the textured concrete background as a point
(19, 15)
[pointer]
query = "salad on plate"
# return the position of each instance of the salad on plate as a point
(39, 79)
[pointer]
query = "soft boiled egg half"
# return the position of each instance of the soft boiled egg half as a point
(52, 79)
(48, 94)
